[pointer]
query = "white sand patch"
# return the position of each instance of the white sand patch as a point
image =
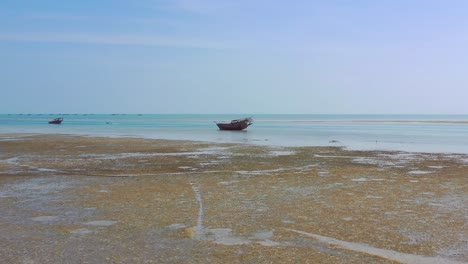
(209, 163)
(332, 156)
(436, 167)
(281, 152)
(121, 175)
(333, 185)
(366, 179)
(370, 161)
(373, 197)
(260, 172)
(195, 154)
(269, 243)
(228, 182)
(419, 172)
(9, 139)
(46, 169)
(34, 187)
(360, 180)
(12, 161)
(391, 213)
(214, 150)
(402, 156)
(252, 172)
(176, 226)
(303, 190)
(428, 193)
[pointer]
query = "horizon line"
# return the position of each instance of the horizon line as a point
(142, 113)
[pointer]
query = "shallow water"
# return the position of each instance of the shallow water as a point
(415, 133)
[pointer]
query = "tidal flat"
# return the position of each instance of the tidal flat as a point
(77, 199)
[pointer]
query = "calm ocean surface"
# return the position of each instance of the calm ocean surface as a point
(432, 133)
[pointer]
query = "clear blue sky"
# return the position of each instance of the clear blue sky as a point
(239, 56)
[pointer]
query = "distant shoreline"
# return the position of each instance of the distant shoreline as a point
(369, 121)
(260, 118)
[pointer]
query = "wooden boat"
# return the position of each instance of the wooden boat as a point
(236, 124)
(56, 121)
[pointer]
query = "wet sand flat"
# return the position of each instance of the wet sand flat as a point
(73, 199)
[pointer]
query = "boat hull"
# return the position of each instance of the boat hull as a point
(56, 121)
(236, 126)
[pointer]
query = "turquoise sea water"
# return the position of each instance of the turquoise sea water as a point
(420, 133)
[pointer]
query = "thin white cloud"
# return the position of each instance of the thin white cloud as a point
(109, 39)
(57, 17)
(206, 7)
(66, 18)
(195, 6)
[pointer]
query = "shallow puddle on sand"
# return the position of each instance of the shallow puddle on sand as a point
(366, 179)
(224, 236)
(45, 218)
(263, 234)
(81, 231)
(384, 253)
(101, 223)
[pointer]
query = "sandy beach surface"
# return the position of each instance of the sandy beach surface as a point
(76, 199)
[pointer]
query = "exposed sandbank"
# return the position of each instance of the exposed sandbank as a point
(128, 200)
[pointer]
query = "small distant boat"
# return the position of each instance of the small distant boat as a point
(236, 124)
(56, 121)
